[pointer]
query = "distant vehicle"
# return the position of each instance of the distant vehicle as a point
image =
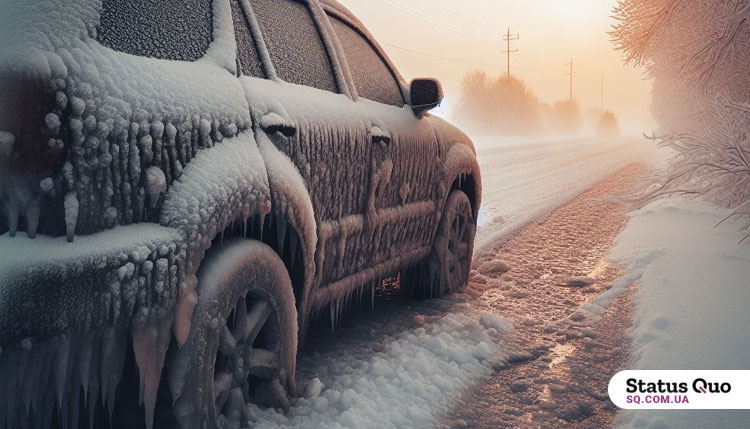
(608, 126)
(196, 181)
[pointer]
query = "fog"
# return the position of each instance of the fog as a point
(448, 40)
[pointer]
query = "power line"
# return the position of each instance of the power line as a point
(438, 24)
(427, 54)
(456, 13)
(508, 38)
(571, 78)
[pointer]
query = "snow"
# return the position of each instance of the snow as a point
(118, 109)
(404, 385)
(82, 343)
(691, 303)
(524, 179)
(219, 186)
(500, 324)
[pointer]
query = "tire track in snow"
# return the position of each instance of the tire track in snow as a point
(402, 365)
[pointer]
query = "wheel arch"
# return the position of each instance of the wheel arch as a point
(291, 203)
(245, 185)
(461, 172)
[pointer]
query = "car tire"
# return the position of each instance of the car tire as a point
(242, 345)
(446, 269)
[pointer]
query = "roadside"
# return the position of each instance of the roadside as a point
(690, 310)
(402, 363)
(525, 181)
(563, 356)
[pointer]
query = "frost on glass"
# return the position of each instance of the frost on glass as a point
(171, 30)
(294, 43)
(373, 79)
(247, 53)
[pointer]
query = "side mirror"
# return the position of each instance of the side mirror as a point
(426, 94)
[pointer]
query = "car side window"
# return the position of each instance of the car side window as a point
(294, 43)
(166, 29)
(247, 54)
(372, 76)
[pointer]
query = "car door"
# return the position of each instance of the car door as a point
(405, 168)
(301, 104)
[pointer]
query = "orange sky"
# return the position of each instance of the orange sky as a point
(551, 33)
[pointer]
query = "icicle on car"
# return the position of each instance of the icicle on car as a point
(190, 200)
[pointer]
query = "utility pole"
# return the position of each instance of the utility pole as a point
(601, 97)
(507, 37)
(570, 73)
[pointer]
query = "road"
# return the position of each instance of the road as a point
(524, 181)
(408, 363)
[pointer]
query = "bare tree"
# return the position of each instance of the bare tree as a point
(698, 53)
(504, 105)
(566, 116)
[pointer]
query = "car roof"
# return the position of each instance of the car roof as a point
(336, 6)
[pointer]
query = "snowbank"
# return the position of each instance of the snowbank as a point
(691, 306)
(405, 385)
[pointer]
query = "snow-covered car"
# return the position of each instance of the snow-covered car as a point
(185, 185)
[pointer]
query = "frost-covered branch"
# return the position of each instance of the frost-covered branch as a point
(698, 53)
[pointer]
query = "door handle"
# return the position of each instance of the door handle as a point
(273, 123)
(380, 136)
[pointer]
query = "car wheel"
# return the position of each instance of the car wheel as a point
(243, 342)
(446, 269)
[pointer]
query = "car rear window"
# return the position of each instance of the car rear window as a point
(372, 77)
(247, 53)
(166, 29)
(294, 43)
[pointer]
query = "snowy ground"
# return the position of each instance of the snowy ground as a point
(691, 307)
(570, 334)
(409, 361)
(524, 179)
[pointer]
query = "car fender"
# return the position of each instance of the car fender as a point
(222, 183)
(291, 201)
(460, 163)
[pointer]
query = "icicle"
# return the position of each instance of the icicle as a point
(32, 217)
(184, 309)
(333, 319)
(262, 225)
(155, 184)
(13, 211)
(338, 309)
(71, 215)
(84, 365)
(150, 346)
(60, 372)
(293, 242)
(281, 233)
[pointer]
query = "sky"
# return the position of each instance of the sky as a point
(446, 39)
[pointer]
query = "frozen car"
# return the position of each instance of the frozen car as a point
(186, 184)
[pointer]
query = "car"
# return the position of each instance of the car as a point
(186, 185)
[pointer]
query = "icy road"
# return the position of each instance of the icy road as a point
(524, 181)
(405, 363)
